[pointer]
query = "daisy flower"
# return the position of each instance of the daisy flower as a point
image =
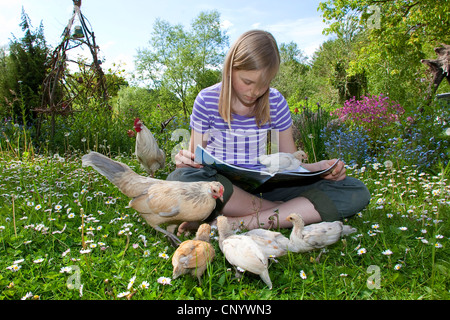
(163, 255)
(130, 284)
(164, 280)
(85, 251)
(14, 267)
(387, 252)
(123, 294)
(144, 285)
(65, 270)
(65, 252)
(240, 269)
(361, 251)
(397, 266)
(302, 274)
(403, 228)
(27, 296)
(38, 207)
(38, 260)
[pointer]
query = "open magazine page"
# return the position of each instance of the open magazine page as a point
(242, 176)
(252, 179)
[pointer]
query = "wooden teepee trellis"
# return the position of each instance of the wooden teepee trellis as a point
(58, 93)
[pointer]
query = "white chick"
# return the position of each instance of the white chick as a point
(315, 236)
(273, 244)
(282, 161)
(242, 252)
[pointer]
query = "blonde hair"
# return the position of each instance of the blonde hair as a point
(253, 50)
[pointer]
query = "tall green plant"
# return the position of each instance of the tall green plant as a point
(308, 126)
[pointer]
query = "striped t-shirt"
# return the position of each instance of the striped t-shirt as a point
(245, 141)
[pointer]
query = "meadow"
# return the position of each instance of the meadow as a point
(67, 233)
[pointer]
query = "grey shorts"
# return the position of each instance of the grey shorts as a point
(334, 200)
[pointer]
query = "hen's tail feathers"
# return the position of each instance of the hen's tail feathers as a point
(129, 183)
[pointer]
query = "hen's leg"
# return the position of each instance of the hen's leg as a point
(174, 241)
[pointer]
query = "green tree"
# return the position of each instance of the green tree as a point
(291, 78)
(394, 36)
(29, 58)
(330, 65)
(183, 62)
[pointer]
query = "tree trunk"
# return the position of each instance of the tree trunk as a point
(439, 68)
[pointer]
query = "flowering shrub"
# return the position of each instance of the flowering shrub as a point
(351, 146)
(371, 113)
(424, 142)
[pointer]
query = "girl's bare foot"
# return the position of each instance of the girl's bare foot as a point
(186, 227)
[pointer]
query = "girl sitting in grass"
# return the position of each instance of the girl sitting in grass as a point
(231, 120)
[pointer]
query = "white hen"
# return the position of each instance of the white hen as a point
(282, 161)
(242, 252)
(315, 236)
(147, 151)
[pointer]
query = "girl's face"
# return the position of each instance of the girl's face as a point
(248, 86)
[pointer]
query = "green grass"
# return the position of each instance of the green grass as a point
(44, 200)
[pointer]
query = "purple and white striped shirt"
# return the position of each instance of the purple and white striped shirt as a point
(245, 141)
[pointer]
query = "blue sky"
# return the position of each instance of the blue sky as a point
(121, 27)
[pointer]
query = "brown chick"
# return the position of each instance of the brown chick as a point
(193, 256)
(159, 201)
(147, 150)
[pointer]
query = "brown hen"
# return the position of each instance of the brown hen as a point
(159, 201)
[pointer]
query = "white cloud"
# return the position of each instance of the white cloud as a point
(306, 32)
(226, 24)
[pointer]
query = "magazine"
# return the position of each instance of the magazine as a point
(254, 180)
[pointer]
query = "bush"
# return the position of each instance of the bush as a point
(376, 114)
(420, 140)
(351, 146)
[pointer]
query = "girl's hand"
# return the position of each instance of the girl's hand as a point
(185, 158)
(338, 173)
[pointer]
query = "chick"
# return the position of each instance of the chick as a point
(282, 161)
(193, 256)
(315, 236)
(273, 244)
(242, 252)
